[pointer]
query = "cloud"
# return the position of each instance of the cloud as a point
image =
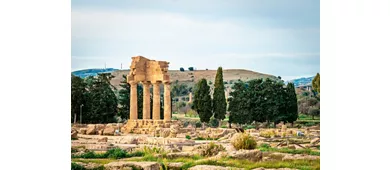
(108, 35)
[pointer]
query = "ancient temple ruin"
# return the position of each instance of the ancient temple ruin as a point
(149, 72)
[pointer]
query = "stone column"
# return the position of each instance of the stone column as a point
(156, 101)
(167, 101)
(133, 101)
(146, 100)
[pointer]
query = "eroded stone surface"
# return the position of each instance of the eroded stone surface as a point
(175, 165)
(141, 165)
(212, 167)
(253, 155)
(88, 165)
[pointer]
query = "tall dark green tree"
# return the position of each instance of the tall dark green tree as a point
(257, 100)
(102, 101)
(239, 104)
(219, 100)
(202, 101)
(124, 99)
(292, 104)
(78, 94)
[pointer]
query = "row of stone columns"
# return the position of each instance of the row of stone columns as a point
(146, 101)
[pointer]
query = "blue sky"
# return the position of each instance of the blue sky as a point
(278, 37)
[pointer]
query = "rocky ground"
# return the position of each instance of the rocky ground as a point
(276, 148)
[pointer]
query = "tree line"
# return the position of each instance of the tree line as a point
(95, 100)
(257, 100)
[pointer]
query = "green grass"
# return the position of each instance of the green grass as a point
(307, 117)
(249, 127)
(75, 166)
(198, 160)
(200, 138)
(228, 162)
(98, 161)
(267, 148)
(115, 153)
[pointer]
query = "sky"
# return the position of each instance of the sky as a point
(278, 37)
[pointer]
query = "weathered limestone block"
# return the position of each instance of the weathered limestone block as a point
(140, 165)
(74, 134)
(100, 132)
(174, 129)
(103, 139)
(109, 130)
(100, 126)
(165, 132)
(83, 131)
(212, 167)
(299, 156)
(208, 149)
(175, 165)
(88, 165)
(179, 154)
(315, 141)
(91, 130)
(253, 155)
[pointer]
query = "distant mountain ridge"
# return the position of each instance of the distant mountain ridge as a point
(302, 81)
(92, 72)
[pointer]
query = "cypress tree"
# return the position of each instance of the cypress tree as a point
(316, 83)
(78, 93)
(202, 101)
(219, 100)
(292, 104)
(239, 104)
(124, 99)
(102, 99)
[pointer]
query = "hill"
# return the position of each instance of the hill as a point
(191, 77)
(184, 77)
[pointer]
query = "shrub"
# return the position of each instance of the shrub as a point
(154, 150)
(191, 68)
(210, 149)
(198, 124)
(186, 123)
(214, 122)
(188, 137)
(191, 113)
(76, 167)
(243, 141)
(223, 126)
(265, 145)
(249, 127)
(115, 153)
(267, 134)
(181, 69)
(175, 118)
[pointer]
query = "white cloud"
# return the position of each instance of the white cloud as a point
(160, 30)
